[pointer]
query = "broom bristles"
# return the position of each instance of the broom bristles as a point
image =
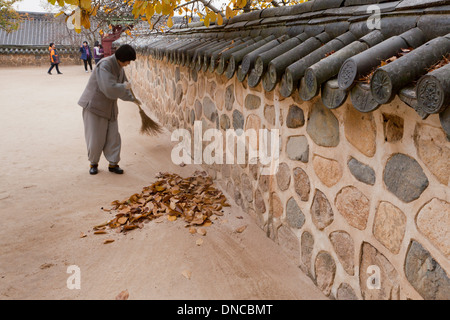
(149, 126)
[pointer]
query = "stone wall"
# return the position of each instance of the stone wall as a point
(357, 195)
(37, 60)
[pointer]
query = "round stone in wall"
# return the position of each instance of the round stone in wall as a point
(404, 177)
(328, 170)
(361, 171)
(323, 127)
(277, 206)
(325, 269)
(283, 176)
(297, 148)
(301, 183)
(224, 122)
(378, 278)
(260, 206)
(252, 102)
(238, 120)
(198, 109)
(209, 109)
(307, 246)
(389, 226)
(346, 292)
(269, 114)
(343, 246)
(229, 97)
(295, 117)
(353, 205)
(321, 211)
(289, 243)
(294, 216)
(433, 221)
(433, 149)
(360, 130)
(425, 274)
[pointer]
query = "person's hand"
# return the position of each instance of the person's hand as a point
(127, 85)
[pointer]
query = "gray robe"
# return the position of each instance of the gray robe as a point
(105, 86)
(99, 102)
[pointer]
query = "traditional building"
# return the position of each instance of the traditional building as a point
(28, 46)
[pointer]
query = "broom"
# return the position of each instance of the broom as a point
(149, 126)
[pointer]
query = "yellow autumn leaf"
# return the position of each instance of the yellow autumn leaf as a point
(166, 9)
(228, 12)
(85, 4)
(219, 19)
(211, 16)
(158, 8)
(150, 11)
(171, 218)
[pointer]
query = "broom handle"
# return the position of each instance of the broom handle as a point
(135, 99)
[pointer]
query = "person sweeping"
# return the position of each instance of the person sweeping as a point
(107, 84)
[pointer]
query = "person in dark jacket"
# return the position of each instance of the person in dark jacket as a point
(54, 59)
(98, 52)
(86, 55)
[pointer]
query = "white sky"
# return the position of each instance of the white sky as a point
(40, 5)
(30, 5)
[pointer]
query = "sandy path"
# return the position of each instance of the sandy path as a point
(47, 198)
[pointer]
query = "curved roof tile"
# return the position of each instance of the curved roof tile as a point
(325, 47)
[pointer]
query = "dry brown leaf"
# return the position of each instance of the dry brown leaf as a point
(82, 235)
(122, 220)
(241, 229)
(108, 241)
(199, 242)
(192, 230)
(187, 274)
(201, 231)
(100, 232)
(123, 295)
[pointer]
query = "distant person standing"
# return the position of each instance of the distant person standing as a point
(54, 59)
(86, 55)
(98, 52)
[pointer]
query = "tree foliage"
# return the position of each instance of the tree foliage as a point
(9, 18)
(122, 11)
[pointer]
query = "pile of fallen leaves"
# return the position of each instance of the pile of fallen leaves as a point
(194, 199)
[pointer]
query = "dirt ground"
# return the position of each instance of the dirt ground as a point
(48, 198)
